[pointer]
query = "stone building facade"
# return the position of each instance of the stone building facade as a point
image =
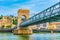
(54, 25)
(6, 21)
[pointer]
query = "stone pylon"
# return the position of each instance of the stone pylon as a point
(23, 14)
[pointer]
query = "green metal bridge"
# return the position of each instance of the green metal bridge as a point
(48, 15)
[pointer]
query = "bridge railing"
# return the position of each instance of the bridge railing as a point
(47, 13)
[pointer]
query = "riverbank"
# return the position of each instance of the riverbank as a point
(5, 30)
(46, 31)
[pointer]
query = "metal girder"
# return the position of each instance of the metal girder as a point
(48, 15)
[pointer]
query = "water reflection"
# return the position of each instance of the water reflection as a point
(43, 36)
(23, 37)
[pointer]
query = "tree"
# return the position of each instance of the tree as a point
(12, 16)
(3, 26)
(1, 16)
(15, 21)
(7, 17)
(8, 26)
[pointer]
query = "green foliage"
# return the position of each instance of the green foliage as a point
(3, 26)
(15, 21)
(12, 16)
(1, 16)
(8, 26)
(8, 17)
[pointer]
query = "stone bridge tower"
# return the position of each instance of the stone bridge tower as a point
(23, 14)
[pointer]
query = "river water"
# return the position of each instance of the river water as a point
(35, 36)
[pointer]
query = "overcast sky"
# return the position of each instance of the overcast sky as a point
(10, 7)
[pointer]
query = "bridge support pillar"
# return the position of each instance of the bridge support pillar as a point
(51, 31)
(23, 31)
(23, 14)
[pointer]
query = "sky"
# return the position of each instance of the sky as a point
(10, 7)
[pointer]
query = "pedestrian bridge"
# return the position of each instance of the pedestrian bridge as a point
(48, 15)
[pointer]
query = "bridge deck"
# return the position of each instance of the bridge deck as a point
(50, 14)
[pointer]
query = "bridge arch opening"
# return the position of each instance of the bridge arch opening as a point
(23, 17)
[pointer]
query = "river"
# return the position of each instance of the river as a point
(35, 36)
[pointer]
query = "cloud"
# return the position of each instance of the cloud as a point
(10, 0)
(55, 0)
(34, 6)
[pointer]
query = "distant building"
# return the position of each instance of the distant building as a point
(0, 23)
(5, 21)
(54, 25)
(43, 26)
(51, 25)
(33, 27)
